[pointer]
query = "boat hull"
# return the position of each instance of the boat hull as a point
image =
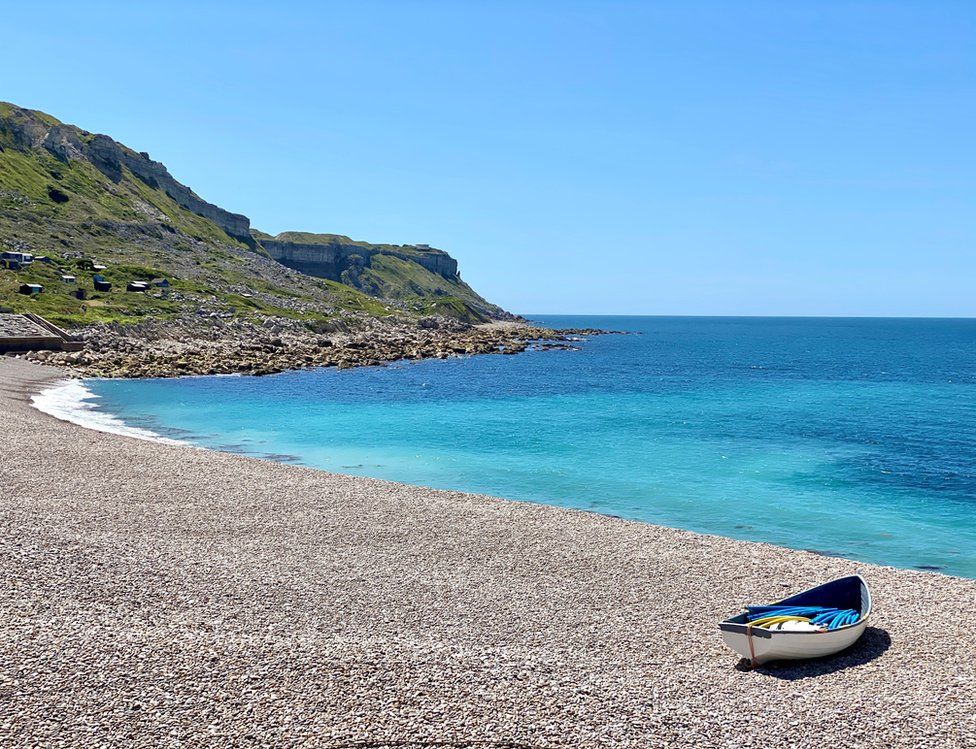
(762, 645)
(793, 645)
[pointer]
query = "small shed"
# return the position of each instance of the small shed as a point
(137, 286)
(31, 289)
(16, 260)
(160, 283)
(97, 267)
(68, 279)
(101, 284)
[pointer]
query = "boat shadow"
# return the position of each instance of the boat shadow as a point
(872, 644)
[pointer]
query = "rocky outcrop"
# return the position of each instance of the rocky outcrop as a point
(65, 143)
(106, 156)
(21, 129)
(185, 347)
(327, 256)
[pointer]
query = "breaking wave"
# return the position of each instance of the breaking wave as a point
(71, 400)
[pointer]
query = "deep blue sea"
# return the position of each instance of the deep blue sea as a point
(850, 437)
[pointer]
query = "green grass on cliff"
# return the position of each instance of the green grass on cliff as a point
(58, 303)
(426, 292)
(29, 182)
(304, 237)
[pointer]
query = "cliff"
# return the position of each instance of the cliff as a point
(328, 255)
(29, 130)
(82, 199)
(414, 274)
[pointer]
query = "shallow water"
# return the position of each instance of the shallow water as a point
(850, 437)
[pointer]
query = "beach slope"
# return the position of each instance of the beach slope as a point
(161, 595)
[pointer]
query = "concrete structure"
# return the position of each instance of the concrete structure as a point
(30, 332)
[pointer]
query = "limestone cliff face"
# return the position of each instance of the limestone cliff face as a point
(329, 256)
(30, 130)
(422, 276)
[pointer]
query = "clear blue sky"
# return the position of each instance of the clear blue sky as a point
(617, 157)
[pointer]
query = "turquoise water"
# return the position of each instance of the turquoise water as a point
(851, 437)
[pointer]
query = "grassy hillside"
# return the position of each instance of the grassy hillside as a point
(392, 277)
(72, 196)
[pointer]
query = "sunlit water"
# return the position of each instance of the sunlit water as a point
(849, 437)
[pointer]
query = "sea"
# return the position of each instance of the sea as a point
(853, 438)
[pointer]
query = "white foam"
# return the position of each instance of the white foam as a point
(72, 401)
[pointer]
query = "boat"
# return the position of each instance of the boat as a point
(750, 635)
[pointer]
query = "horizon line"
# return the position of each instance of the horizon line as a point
(761, 317)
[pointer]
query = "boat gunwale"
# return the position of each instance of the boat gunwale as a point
(727, 625)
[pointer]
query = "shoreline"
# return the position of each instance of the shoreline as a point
(310, 608)
(69, 399)
(63, 399)
(217, 346)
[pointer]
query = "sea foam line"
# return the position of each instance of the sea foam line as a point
(71, 400)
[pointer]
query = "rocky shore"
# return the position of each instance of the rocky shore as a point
(191, 346)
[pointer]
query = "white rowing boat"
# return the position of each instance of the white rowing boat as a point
(762, 645)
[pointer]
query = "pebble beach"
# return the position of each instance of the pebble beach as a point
(163, 595)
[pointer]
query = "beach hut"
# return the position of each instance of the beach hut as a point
(16, 260)
(163, 285)
(137, 286)
(31, 289)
